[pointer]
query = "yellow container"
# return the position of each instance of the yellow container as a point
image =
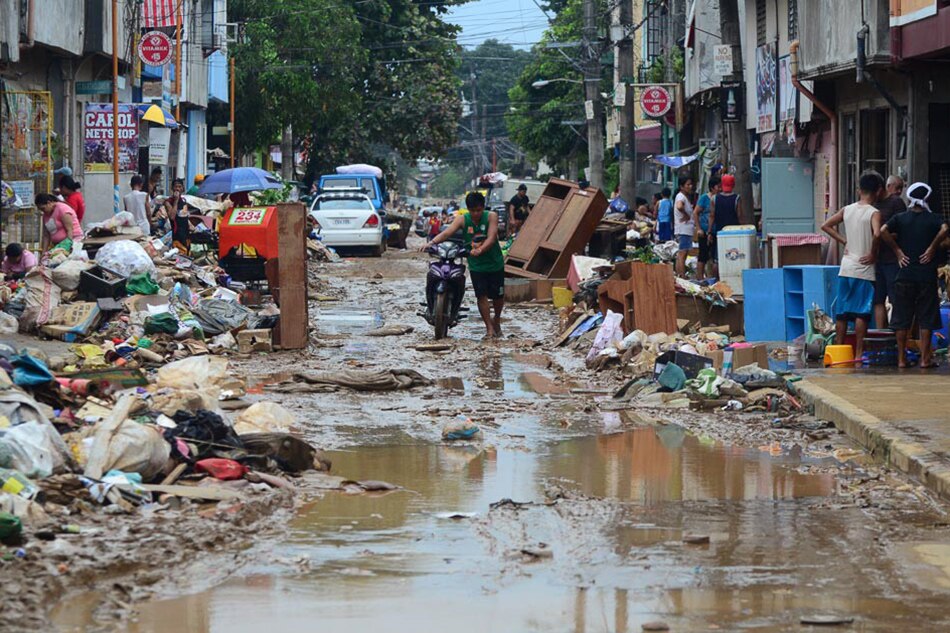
(835, 354)
(563, 297)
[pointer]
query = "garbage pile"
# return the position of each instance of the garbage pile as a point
(703, 369)
(73, 447)
(140, 301)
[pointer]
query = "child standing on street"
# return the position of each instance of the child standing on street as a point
(855, 297)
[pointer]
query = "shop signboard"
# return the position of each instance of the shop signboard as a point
(98, 137)
(155, 48)
(656, 101)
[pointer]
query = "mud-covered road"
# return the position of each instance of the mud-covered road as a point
(568, 514)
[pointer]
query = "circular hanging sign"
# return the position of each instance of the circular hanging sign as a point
(155, 49)
(656, 101)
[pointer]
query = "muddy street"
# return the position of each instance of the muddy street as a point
(568, 513)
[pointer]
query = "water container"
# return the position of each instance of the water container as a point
(738, 250)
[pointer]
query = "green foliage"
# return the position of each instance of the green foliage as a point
(657, 71)
(364, 79)
(270, 197)
(493, 68)
(450, 183)
(535, 122)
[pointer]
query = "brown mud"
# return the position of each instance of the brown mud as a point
(567, 515)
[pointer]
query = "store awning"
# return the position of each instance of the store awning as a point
(648, 140)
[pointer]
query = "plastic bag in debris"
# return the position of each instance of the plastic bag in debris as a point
(610, 332)
(223, 469)
(67, 274)
(706, 382)
(125, 258)
(42, 297)
(133, 448)
(672, 377)
(462, 429)
(8, 324)
(123, 218)
(36, 449)
(755, 377)
(30, 512)
(29, 371)
(204, 432)
(171, 401)
(217, 316)
(193, 372)
(636, 340)
(264, 417)
(17, 407)
(141, 284)
(223, 342)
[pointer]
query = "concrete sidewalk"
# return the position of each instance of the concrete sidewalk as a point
(902, 418)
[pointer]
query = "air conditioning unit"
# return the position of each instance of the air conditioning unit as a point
(220, 41)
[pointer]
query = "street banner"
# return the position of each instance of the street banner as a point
(159, 13)
(765, 88)
(159, 140)
(907, 11)
(787, 93)
(97, 137)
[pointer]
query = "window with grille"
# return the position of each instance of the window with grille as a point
(850, 151)
(874, 141)
(657, 30)
(761, 30)
(792, 20)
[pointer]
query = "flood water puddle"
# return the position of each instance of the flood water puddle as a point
(347, 321)
(436, 555)
(514, 375)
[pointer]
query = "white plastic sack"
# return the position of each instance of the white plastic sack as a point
(360, 168)
(125, 257)
(193, 372)
(8, 323)
(264, 417)
(36, 449)
(66, 275)
(135, 448)
(610, 332)
(123, 218)
(42, 297)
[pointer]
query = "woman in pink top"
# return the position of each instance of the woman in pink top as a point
(59, 221)
(73, 197)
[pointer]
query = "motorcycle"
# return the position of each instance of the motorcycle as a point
(445, 287)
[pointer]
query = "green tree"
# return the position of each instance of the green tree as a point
(365, 81)
(297, 64)
(449, 183)
(537, 116)
(488, 72)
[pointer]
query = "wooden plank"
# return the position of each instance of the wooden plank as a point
(654, 298)
(211, 493)
(570, 330)
(292, 270)
(175, 474)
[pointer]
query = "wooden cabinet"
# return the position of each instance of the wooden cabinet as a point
(562, 222)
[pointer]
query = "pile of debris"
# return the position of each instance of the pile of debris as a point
(73, 447)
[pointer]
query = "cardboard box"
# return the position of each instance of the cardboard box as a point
(757, 354)
(73, 321)
(717, 357)
(254, 341)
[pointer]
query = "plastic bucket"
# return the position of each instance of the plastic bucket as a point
(562, 297)
(835, 354)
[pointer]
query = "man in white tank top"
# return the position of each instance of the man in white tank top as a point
(855, 297)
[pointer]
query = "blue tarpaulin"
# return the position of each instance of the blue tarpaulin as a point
(674, 161)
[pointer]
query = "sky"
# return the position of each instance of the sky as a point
(516, 22)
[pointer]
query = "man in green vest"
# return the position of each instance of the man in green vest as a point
(486, 264)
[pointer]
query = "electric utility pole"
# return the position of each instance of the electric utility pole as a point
(737, 137)
(628, 140)
(595, 127)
